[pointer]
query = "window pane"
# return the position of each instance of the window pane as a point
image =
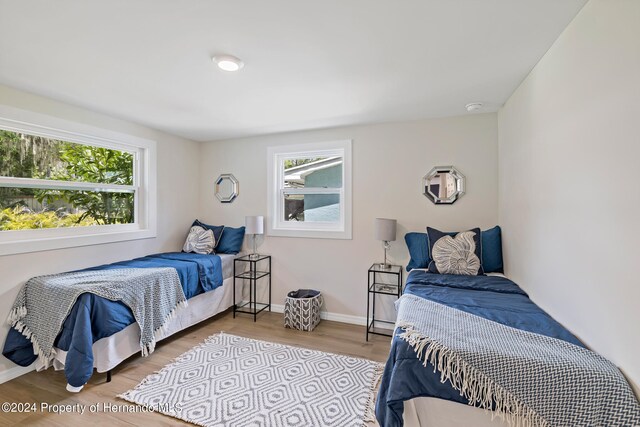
(26, 208)
(318, 172)
(29, 156)
(312, 207)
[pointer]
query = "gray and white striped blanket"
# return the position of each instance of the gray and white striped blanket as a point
(43, 303)
(531, 379)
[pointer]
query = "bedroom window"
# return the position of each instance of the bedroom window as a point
(75, 187)
(310, 190)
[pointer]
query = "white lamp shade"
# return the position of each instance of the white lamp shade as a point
(385, 229)
(254, 224)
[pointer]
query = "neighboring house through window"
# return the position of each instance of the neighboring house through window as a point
(63, 184)
(310, 190)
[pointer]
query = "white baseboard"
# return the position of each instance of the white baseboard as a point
(336, 317)
(15, 372)
(325, 315)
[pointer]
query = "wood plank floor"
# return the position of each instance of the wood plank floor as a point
(49, 386)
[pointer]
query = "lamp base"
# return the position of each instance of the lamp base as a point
(255, 254)
(385, 265)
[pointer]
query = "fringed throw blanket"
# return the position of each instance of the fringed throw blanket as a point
(152, 294)
(531, 379)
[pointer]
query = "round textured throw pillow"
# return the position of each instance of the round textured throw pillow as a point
(456, 255)
(199, 240)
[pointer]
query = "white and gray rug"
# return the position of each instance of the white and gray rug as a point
(234, 381)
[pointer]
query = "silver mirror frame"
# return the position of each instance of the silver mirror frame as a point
(436, 198)
(226, 198)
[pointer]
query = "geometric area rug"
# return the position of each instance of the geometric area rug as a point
(235, 381)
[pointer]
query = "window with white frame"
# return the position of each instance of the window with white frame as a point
(310, 190)
(72, 187)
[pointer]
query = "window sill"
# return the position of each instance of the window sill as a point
(310, 234)
(21, 246)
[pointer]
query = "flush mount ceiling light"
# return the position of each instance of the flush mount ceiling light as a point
(228, 62)
(474, 106)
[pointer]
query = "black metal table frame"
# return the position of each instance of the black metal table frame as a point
(371, 289)
(252, 275)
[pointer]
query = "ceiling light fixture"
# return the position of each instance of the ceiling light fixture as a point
(228, 62)
(474, 106)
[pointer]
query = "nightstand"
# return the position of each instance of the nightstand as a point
(259, 268)
(375, 286)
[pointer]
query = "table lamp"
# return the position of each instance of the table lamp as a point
(385, 231)
(254, 225)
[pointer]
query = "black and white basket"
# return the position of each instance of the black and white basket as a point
(302, 309)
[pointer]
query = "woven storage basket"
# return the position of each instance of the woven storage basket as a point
(302, 309)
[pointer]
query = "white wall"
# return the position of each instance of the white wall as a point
(389, 161)
(177, 201)
(569, 195)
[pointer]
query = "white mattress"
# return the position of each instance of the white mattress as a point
(110, 351)
(227, 264)
(434, 412)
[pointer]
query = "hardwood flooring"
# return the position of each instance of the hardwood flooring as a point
(49, 386)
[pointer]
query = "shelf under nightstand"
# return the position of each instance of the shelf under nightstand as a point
(374, 287)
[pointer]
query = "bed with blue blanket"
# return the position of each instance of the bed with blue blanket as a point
(491, 297)
(96, 320)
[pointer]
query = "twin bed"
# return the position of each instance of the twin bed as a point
(467, 342)
(100, 333)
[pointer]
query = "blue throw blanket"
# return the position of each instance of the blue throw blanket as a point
(43, 303)
(494, 298)
(93, 317)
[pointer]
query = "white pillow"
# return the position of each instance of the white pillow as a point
(200, 241)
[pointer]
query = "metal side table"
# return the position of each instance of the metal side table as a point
(374, 287)
(259, 268)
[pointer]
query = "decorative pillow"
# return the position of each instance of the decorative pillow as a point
(199, 240)
(231, 240)
(418, 245)
(217, 230)
(459, 254)
(492, 250)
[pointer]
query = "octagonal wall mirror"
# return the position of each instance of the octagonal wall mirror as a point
(443, 185)
(226, 188)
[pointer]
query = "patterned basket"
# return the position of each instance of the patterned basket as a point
(302, 309)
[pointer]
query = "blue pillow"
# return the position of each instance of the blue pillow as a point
(217, 230)
(231, 240)
(418, 244)
(492, 250)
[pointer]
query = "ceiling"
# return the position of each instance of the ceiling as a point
(308, 64)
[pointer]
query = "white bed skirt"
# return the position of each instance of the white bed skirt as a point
(110, 351)
(434, 412)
